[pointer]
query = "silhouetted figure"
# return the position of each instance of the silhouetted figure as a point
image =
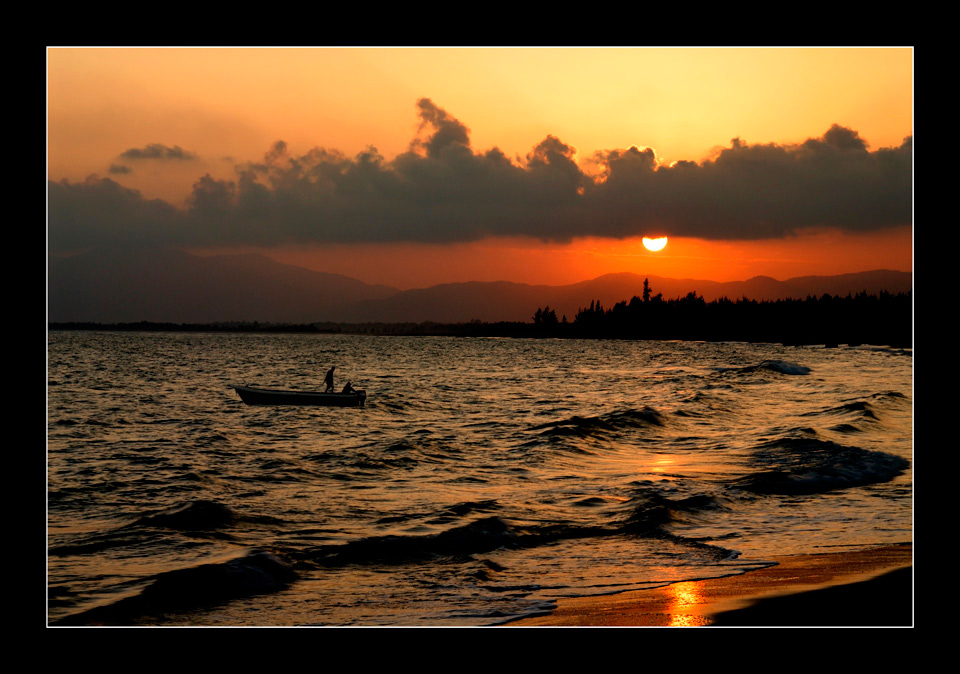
(348, 389)
(328, 380)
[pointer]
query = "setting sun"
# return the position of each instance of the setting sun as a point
(654, 244)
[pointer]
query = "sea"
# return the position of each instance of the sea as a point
(484, 479)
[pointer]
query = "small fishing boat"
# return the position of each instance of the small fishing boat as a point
(266, 396)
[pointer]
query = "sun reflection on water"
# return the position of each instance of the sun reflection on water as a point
(683, 602)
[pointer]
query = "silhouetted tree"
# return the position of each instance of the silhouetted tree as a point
(545, 320)
(549, 317)
(545, 316)
(830, 320)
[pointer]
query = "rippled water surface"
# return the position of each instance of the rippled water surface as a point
(483, 479)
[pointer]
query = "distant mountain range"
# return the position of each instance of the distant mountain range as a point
(164, 285)
(113, 286)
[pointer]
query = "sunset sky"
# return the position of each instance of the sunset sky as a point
(411, 167)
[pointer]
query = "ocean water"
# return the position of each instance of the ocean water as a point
(484, 479)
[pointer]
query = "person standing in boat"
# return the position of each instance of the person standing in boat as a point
(328, 380)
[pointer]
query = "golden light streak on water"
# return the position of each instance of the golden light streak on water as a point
(686, 597)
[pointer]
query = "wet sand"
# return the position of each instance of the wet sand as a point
(867, 588)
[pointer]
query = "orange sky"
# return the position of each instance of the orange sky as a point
(228, 106)
(530, 261)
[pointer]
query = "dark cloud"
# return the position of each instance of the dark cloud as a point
(101, 212)
(762, 191)
(441, 190)
(158, 151)
(119, 169)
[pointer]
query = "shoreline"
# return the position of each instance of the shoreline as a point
(869, 587)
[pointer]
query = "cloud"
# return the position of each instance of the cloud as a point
(761, 191)
(442, 190)
(158, 151)
(101, 212)
(119, 169)
(446, 129)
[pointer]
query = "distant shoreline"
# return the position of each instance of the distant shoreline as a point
(502, 330)
(892, 336)
(882, 319)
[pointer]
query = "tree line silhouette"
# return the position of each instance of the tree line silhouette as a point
(886, 319)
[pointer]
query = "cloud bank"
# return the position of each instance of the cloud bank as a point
(442, 190)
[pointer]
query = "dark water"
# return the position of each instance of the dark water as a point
(484, 478)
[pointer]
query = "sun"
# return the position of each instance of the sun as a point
(654, 244)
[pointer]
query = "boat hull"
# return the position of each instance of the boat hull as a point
(262, 396)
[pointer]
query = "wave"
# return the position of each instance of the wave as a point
(649, 512)
(253, 572)
(889, 394)
(783, 367)
(647, 516)
(860, 409)
(779, 366)
(865, 409)
(445, 515)
(796, 466)
(195, 516)
(603, 424)
(483, 535)
(846, 428)
(868, 409)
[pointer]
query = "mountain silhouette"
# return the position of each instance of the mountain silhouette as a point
(113, 286)
(505, 301)
(166, 285)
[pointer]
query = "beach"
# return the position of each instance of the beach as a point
(872, 587)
